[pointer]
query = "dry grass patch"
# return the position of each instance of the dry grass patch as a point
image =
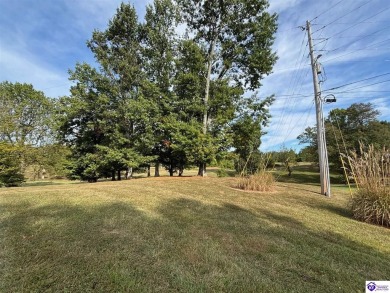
(262, 181)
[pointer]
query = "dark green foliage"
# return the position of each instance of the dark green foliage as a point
(236, 38)
(284, 155)
(237, 35)
(254, 163)
(10, 165)
(160, 98)
(247, 131)
(345, 130)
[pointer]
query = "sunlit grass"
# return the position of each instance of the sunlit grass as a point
(187, 234)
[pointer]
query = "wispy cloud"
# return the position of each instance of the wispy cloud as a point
(353, 40)
(41, 40)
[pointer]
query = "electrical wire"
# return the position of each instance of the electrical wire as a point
(347, 84)
(350, 52)
(360, 38)
(322, 13)
(367, 85)
(341, 157)
(294, 81)
(359, 22)
(332, 22)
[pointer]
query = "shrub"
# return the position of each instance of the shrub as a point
(260, 181)
(371, 170)
(222, 172)
(10, 165)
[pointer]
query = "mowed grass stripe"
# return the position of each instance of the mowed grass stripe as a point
(185, 234)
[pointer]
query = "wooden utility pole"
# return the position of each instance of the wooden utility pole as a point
(321, 141)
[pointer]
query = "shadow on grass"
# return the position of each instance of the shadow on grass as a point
(48, 183)
(187, 246)
(306, 174)
(341, 211)
(221, 172)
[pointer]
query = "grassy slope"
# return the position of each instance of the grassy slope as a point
(185, 234)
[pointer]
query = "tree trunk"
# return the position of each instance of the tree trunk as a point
(207, 89)
(202, 170)
(181, 170)
(171, 171)
(148, 170)
(119, 175)
(129, 173)
(113, 176)
(157, 170)
(202, 166)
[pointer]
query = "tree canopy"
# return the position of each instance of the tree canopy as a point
(346, 129)
(25, 116)
(158, 97)
(155, 97)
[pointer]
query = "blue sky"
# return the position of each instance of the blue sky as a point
(41, 40)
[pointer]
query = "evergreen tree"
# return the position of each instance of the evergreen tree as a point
(10, 165)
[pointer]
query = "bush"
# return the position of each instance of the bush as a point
(261, 181)
(10, 166)
(371, 202)
(222, 173)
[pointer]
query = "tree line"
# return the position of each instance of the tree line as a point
(157, 97)
(177, 89)
(345, 130)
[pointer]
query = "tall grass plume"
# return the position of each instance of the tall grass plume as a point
(371, 170)
(260, 181)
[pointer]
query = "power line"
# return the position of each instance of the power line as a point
(367, 85)
(360, 22)
(360, 38)
(364, 36)
(342, 16)
(349, 53)
(379, 21)
(347, 84)
(306, 95)
(360, 92)
(322, 13)
(295, 80)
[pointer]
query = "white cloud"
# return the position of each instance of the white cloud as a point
(23, 68)
(38, 45)
(280, 5)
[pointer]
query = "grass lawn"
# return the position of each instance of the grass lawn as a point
(185, 234)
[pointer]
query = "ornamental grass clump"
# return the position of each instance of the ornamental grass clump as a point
(260, 181)
(371, 169)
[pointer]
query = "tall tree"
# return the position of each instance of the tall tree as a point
(87, 119)
(237, 37)
(26, 122)
(25, 116)
(10, 165)
(159, 45)
(347, 128)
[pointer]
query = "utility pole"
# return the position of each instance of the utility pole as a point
(321, 140)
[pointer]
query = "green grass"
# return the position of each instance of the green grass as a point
(305, 173)
(185, 235)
